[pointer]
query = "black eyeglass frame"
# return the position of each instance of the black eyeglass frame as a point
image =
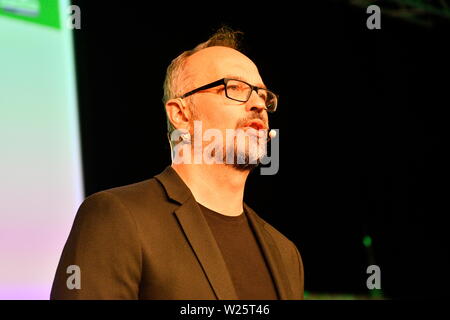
(224, 82)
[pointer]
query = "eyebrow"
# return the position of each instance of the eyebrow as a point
(260, 85)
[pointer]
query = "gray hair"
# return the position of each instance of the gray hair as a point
(225, 37)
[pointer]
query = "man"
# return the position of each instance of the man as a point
(186, 233)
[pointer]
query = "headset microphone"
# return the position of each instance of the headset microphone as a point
(272, 134)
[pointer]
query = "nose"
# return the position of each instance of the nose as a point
(255, 102)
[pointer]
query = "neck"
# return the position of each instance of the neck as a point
(218, 187)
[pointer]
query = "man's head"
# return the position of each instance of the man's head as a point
(210, 61)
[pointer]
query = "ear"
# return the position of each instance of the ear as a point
(178, 113)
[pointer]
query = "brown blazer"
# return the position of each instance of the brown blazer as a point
(149, 240)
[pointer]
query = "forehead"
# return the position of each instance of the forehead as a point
(213, 63)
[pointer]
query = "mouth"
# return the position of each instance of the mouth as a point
(256, 124)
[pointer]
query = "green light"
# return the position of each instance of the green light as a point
(376, 294)
(367, 241)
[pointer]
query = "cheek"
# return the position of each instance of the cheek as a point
(223, 120)
(218, 116)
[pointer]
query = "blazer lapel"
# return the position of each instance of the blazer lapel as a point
(200, 237)
(208, 253)
(271, 254)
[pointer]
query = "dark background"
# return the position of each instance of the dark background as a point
(361, 121)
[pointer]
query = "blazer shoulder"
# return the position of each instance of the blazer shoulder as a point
(142, 199)
(275, 233)
(286, 246)
(141, 188)
(137, 193)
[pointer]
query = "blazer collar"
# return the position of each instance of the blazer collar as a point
(205, 247)
(175, 187)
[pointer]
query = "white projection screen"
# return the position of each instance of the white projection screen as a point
(40, 163)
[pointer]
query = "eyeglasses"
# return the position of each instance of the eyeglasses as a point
(241, 91)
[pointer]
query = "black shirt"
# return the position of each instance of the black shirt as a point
(242, 255)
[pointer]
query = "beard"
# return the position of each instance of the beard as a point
(247, 165)
(247, 150)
